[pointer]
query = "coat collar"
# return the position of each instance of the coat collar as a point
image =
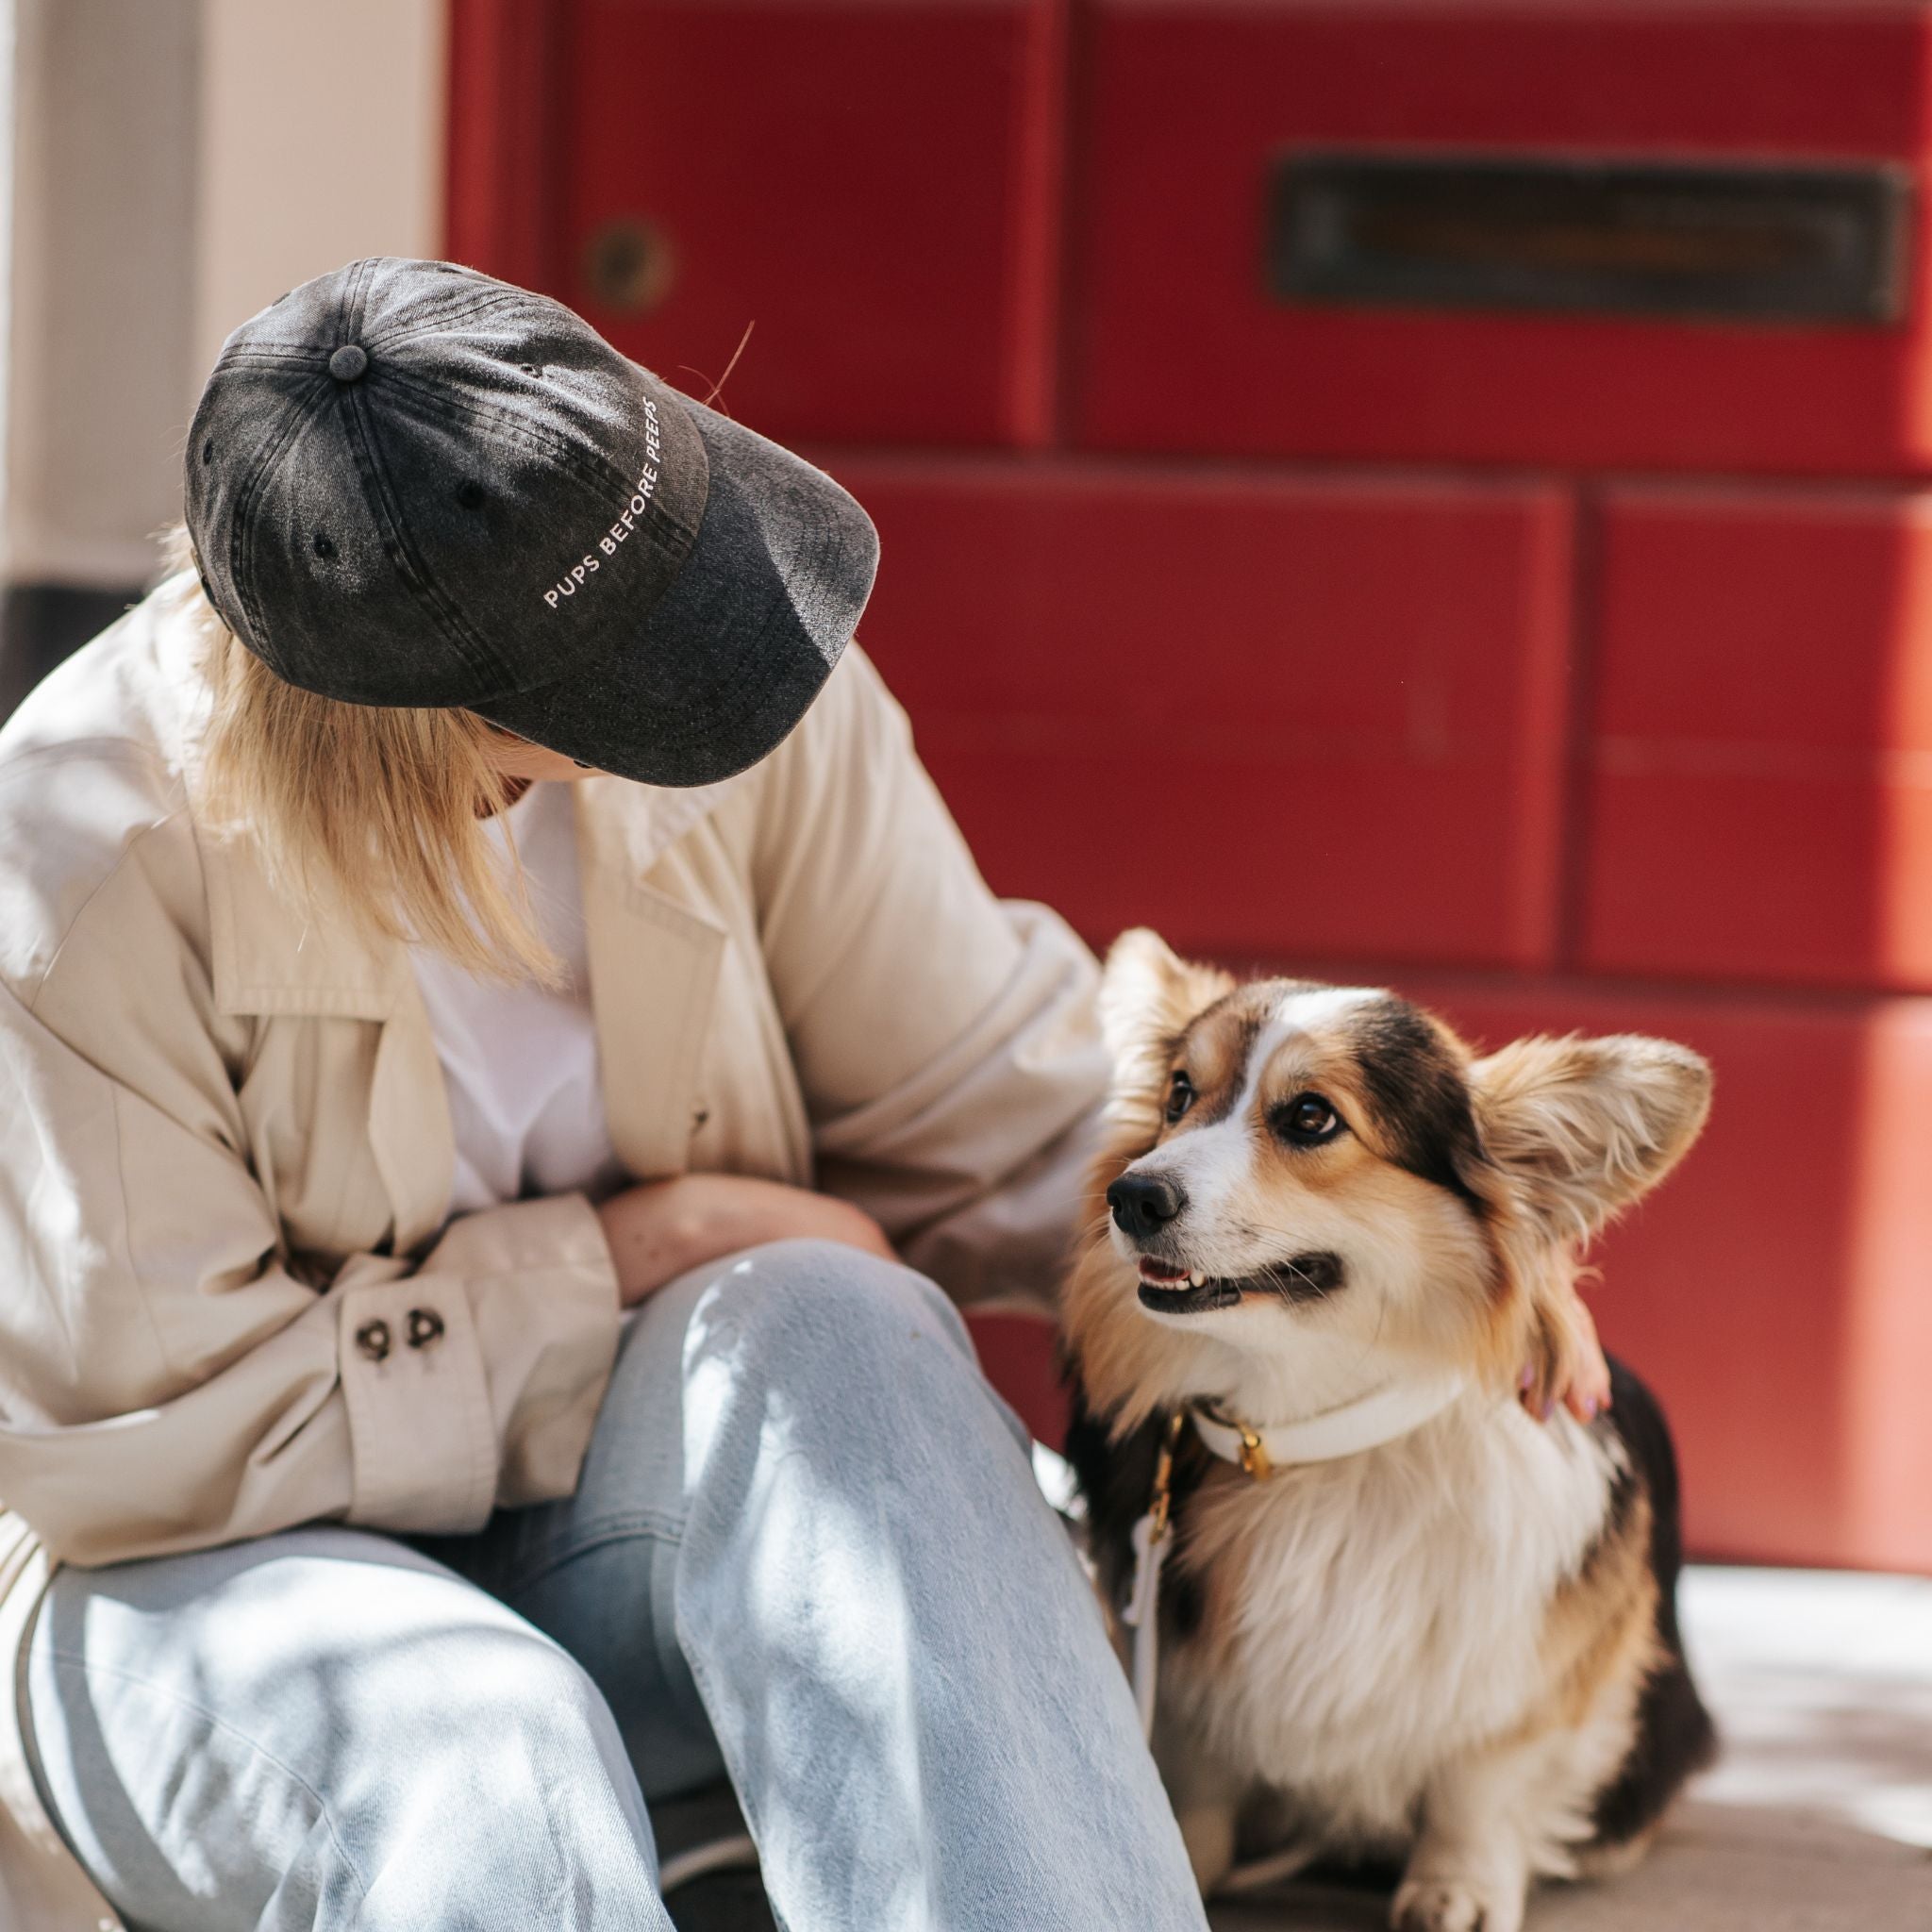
(270, 958)
(654, 972)
(267, 957)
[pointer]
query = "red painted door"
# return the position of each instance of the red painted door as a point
(1426, 492)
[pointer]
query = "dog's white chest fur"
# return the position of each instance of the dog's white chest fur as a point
(1374, 1617)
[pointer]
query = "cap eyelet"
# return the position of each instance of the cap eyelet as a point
(324, 545)
(470, 496)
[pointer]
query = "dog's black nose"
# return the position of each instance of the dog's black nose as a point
(1143, 1204)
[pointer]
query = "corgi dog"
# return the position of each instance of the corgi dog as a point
(1399, 1617)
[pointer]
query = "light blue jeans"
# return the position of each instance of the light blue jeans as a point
(807, 1550)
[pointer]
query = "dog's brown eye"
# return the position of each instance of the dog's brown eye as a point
(1180, 1096)
(1306, 1120)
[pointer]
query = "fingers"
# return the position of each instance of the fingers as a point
(1572, 1371)
(1589, 1394)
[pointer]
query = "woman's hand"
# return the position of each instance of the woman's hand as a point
(1574, 1369)
(662, 1228)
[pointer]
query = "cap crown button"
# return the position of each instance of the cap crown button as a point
(348, 362)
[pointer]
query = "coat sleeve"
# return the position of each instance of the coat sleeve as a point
(947, 1040)
(169, 1380)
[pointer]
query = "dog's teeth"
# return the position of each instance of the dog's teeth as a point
(1197, 1280)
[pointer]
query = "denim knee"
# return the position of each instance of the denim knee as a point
(805, 1296)
(854, 1336)
(479, 1726)
(521, 1694)
(509, 1765)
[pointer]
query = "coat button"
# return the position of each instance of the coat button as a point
(373, 1339)
(425, 1327)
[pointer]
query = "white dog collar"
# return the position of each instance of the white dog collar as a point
(1380, 1416)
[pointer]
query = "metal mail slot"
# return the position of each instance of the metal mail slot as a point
(1735, 240)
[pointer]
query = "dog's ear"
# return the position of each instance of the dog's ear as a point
(1579, 1128)
(1147, 994)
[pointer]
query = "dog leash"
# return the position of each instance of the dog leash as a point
(1143, 1613)
(1382, 1415)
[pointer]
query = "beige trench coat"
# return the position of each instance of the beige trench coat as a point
(225, 1148)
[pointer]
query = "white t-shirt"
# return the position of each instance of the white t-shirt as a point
(519, 1062)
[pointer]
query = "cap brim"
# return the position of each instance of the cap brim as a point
(730, 657)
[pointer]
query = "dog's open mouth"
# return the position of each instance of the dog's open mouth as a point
(1185, 1291)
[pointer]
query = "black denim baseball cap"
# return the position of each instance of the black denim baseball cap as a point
(411, 484)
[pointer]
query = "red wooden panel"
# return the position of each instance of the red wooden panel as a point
(1177, 347)
(500, 158)
(1761, 781)
(1259, 711)
(1776, 1291)
(873, 186)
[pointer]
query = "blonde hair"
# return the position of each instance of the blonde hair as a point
(378, 810)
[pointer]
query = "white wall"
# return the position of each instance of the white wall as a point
(99, 292)
(178, 164)
(320, 140)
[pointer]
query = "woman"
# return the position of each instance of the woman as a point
(443, 948)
